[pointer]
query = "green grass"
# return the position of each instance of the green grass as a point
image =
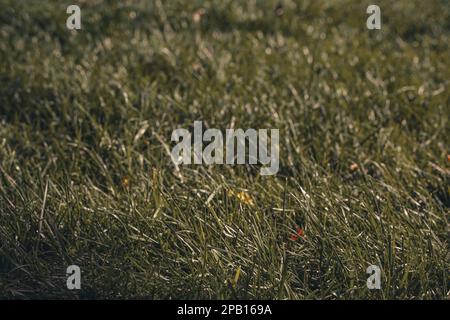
(78, 185)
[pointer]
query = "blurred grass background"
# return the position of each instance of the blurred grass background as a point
(86, 118)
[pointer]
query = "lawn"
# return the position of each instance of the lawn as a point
(86, 176)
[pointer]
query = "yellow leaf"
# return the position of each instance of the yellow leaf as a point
(244, 197)
(236, 276)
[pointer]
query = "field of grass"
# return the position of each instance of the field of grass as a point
(86, 178)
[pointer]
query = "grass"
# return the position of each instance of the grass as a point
(86, 118)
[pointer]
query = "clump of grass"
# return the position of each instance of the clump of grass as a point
(363, 118)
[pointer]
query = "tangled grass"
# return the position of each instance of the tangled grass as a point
(86, 118)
